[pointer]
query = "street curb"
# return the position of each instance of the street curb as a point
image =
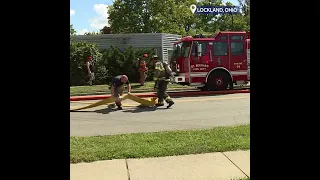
(172, 94)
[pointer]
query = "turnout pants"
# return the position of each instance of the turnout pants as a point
(91, 78)
(162, 92)
(143, 77)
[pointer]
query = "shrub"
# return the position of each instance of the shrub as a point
(109, 63)
(125, 62)
(79, 52)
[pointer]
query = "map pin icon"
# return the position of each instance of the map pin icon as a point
(193, 8)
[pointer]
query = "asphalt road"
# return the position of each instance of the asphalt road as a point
(187, 113)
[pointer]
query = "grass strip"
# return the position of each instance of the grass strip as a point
(136, 88)
(142, 145)
(99, 89)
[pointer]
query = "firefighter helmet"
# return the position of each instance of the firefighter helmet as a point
(155, 59)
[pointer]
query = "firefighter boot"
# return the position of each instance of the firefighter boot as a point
(119, 106)
(168, 100)
(170, 103)
(160, 103)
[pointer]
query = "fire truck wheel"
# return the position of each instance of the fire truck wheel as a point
(218, 81)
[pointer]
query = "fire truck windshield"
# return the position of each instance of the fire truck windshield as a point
(181, 49)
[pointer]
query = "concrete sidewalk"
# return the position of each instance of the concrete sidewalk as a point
(210, 166)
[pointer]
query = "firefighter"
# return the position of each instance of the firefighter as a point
(90, 69)
(162, 76)
(117, 88)
(142, 68)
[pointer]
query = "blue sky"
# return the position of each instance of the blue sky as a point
(91, 15)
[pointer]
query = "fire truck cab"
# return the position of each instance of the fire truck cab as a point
(214, 63)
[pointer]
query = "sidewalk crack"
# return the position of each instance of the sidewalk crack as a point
(235, 164)
(127, 166)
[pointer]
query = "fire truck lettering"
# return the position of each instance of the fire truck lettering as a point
(202, 65)
(238, 65)
(199, 67)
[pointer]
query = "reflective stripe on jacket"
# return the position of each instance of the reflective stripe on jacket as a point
(160, 72)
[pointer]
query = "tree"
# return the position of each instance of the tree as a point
(245, 7)
(152, 16)
(208, 23)
(129, 16)
(232, 22)
(172, 16)
(72, 30)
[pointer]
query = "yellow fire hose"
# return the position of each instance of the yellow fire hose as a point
(143, 102)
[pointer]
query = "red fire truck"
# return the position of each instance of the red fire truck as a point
(214, 63)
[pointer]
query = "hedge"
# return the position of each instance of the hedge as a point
(109, 63)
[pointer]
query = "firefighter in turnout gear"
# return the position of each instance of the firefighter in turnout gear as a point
(162, 74)
(142, 68)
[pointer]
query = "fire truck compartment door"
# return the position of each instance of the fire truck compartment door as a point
(238, 56)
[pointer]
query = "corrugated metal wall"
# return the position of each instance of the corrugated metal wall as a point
(167, 45)
(160, 41)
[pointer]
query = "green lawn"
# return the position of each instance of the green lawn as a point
(104, 89)
(140, 145)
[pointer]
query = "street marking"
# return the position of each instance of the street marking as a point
(177, 100)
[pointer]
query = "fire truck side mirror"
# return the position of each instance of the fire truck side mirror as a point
(199, 50)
